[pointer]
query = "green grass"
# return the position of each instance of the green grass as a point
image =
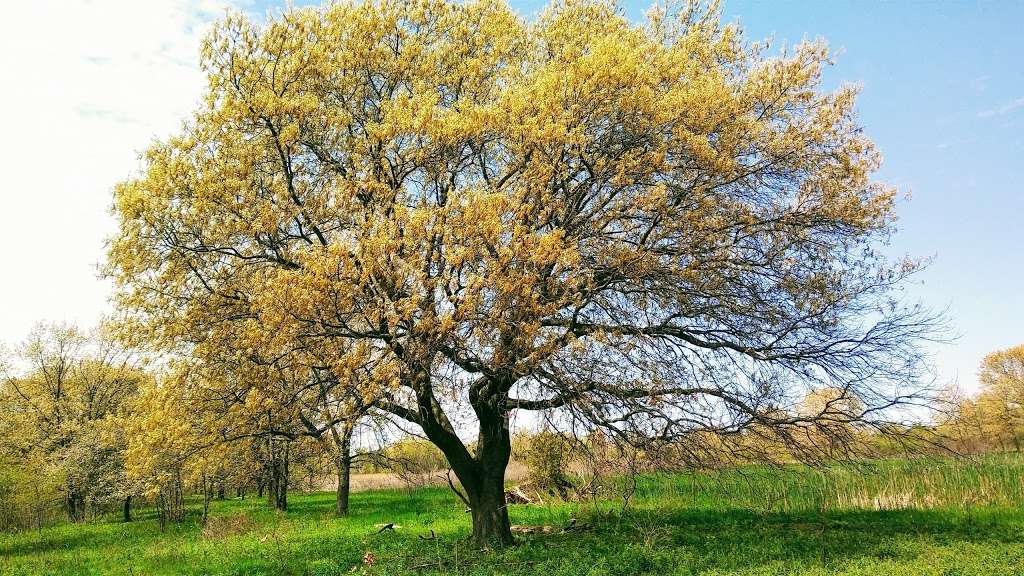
(923, 517)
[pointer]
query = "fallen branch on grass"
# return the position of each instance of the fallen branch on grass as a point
(572, 526)
(517, 496)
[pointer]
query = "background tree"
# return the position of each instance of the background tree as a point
(1001, 401)
(654, 229)
(274, 410)
(994, 418)
(62, 400)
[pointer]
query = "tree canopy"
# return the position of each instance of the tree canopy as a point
(659, 229)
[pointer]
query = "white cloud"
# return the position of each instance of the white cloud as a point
(86, 86)
(1004, 109)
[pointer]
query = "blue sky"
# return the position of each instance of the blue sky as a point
(943, 98)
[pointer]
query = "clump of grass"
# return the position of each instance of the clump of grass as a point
(221, 527)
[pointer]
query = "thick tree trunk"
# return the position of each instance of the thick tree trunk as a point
(128, 509)
(490, 515)
(344, 441)
(482, 475)
(485, 487)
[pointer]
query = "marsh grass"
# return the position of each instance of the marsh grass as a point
(878, 518)
(918, 484)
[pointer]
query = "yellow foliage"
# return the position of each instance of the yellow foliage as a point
(374, 188)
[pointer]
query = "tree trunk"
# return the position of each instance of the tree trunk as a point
(344, 443)
(485, 489)
(485, 484)
(490, 515)
(277, 485)
(282, 490)
(482, 474)
(128, 509)
(171, 500)
(75, 505)
(272, 486)
(207, 494)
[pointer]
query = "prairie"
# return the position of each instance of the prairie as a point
(934, 516)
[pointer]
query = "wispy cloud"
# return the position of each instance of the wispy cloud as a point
(1006, 108)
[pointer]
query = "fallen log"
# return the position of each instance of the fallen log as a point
(517, 496)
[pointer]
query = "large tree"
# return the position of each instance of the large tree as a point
(657, 229)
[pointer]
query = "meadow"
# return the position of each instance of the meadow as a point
(893, 517)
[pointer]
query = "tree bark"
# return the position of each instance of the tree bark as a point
(277, 485)
(282, 483)
(487, 494)
(128, 509)
(344, 442)
(75, 505)
(207, 493)
(484, 480)
(490, 515)
(482, 475)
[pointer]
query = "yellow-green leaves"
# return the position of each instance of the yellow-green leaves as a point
(378, 192)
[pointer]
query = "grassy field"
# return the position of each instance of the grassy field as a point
(922, 517)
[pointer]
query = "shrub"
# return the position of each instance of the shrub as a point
(548, 457)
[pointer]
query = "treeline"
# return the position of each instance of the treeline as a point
(88, 429)
(993, 419)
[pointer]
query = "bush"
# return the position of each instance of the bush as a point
(408, 458)
(548, 456)
(28, 499)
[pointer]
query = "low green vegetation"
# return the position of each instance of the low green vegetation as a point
(893, 517)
